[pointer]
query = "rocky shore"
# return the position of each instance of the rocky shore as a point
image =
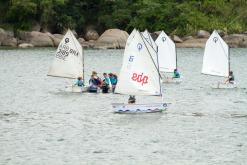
(110, 39)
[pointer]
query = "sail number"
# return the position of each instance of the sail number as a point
(64, 51)
(140, 78)
(131, 58)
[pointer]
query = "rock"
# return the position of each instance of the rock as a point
(187, 38)
(25, 45)
(193, 43)
(7, 38)
(236, 40)
(81, 40)
(112, 39)
(203, 34)
(176, 39)
(38, 39)
(88, 44)
(221, 32)
(56, 39)
(91, 35)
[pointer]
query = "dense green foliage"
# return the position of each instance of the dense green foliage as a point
(174, 16)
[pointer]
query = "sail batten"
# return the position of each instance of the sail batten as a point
(139, 74)
(68, 62)
(167, 53)
(216, 56)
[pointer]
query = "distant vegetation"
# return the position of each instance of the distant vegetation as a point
(180, 17)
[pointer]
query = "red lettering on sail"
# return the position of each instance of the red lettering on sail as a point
(140, 78)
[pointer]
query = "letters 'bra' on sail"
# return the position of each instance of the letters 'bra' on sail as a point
(68, 58)
(167, 53)
(138, 75)
(216, 56)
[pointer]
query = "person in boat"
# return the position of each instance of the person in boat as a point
(230, 78)
(79, 82)
(131, 99)
(94, 83)
(106, 83)
(113, 79)
(176, 74)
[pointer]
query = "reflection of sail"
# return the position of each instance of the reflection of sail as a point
(216, 56)
(139, 74)
(68, 58)
(167, 53)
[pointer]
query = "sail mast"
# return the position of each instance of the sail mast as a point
(83, 71)
(157, 67)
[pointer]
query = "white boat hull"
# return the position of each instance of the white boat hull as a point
(139, 108)
(172, 80)
(76, 89)
(224, 86)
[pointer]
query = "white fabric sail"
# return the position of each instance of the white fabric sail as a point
(68, 58)
(131, 36)
(216, 56)
(150, 40)
(167, 55)
(138, 75)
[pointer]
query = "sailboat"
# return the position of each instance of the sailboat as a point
(139, 75)
(69, 61)
(167, 56)
(216, 59)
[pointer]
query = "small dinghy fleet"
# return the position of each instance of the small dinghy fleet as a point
(146, 65)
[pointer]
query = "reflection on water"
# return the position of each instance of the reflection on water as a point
(41, 123)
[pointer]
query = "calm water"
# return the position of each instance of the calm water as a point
(41, 123)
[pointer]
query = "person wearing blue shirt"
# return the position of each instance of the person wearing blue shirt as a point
(176, 74)
(113, 79)
(106, 83)
(79, 82)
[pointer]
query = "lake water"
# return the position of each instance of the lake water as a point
(41, 123)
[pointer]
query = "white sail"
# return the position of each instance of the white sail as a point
(131, 36)
(150, 40)
(166, 53)
(68, 58)
(216, 56)
(138, 75)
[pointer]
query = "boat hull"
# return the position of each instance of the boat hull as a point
(76, 89)
(224, 86)
(139, 108)
(172, 80)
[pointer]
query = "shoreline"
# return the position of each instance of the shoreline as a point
(110, 39)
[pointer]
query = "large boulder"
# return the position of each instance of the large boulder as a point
(203, 34)
(91, 35)
(37, 39)
(112, 39)
(177, 39)
(56, 38)
(7, 38)
(236, 40)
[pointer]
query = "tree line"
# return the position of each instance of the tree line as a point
(182, 17)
